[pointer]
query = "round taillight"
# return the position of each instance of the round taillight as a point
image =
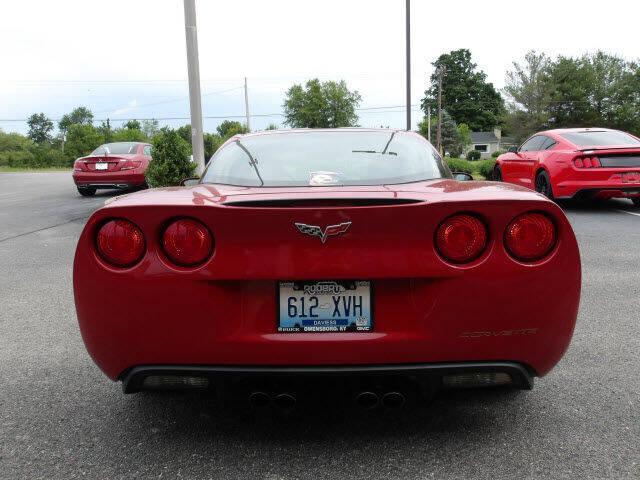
(595, 162)
(530, 237)
(461, 238)
(586, 162)
(187, 242)
(120, 243)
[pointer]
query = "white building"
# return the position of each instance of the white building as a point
(489, 142)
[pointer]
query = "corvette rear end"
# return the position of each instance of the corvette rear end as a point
(438, 282)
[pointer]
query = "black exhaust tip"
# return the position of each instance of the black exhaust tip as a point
(367, 400)
(259, 399)
(285, 401)
(393, 400)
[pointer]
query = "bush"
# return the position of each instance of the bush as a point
(18, 158)
(170, 163)
(82, 140)
(473, 155)
(497, 153)
(128, 135)
(485, 168)
(459, 165)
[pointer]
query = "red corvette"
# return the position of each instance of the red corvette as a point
(347, 256)
(112, 165)
(576, 163)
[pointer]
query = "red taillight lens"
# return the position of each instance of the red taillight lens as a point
(587, 162)
(187, 242)
(120, 243)
(130, 165)
(461, 238)
(530, 237)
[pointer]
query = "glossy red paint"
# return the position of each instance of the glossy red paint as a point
(123, 170)
(223, 312)
(574, 171)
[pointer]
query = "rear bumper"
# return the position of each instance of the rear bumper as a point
(591, 182)
(606, 192)
(439, 375)
(128, 178)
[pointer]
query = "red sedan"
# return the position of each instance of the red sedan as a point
(348, 256)
(576, 163)
(112, 165)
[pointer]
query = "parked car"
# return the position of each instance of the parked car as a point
(112, 165)
(575, 163)
(312, 255)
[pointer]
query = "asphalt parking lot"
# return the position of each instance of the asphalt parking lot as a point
(61, 418)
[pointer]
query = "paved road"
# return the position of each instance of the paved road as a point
(60, 417)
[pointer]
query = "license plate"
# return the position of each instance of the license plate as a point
(102, 166)
(631, 177)
(325, 306)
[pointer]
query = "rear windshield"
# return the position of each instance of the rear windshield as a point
(325, 158)
(600, 138)
(119, 148)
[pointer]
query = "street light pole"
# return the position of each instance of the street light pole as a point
(408, 34)
(193, 67)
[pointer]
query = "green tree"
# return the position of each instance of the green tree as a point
(466, 94)
(454, 137)
(529, 90)
(82, 139)
(128, 135)
(229, 128)
(106, 131)
(150, 127)
(321, 105)
(40, 127)
(185, 132)
(133, 125)
(78, 116)
(464, 136)
(211, 144)
(272, 126)
(170, 162)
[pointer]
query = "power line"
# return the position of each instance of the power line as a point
(365, 110)
(176, 99)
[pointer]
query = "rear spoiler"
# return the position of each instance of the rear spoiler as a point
(610, 147)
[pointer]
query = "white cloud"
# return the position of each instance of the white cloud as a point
(130, 107)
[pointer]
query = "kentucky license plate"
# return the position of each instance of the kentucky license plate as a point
(325, 306)
(102, 166)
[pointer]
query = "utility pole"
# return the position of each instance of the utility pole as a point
(441, 71)
(408, 52)
(429, 124)
(246, 105)
(195, 101)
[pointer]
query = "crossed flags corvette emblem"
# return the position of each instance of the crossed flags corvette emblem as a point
(329, 231)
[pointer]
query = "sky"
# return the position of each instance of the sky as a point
(127, 58)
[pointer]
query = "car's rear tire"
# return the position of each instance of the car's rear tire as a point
(497, 174)
(636, 202)
(87, 191)
(543, 184)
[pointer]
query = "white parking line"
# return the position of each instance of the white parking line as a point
(630, 213)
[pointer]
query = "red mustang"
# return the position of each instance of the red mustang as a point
(576, 163)
(112, 165)
(341, 255)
